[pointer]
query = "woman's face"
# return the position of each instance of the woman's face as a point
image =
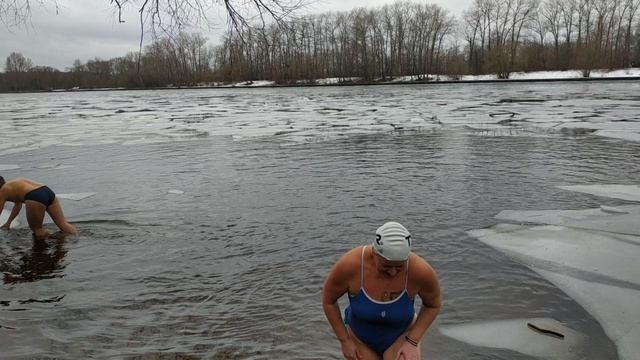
(389, 268)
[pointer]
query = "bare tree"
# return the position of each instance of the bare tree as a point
(551, 11)
(17, 63)
(169, 16)
(16, 67)
(471, 29)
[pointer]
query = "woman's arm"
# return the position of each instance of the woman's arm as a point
(429, 292)
(335, 286)
(431, 302)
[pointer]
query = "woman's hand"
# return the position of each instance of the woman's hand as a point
(408, 352)
(350, 350)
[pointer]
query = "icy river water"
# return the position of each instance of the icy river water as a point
(218, 212)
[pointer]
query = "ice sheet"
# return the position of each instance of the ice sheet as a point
(315, 114)
(616, 308)
(622, 135)
(4, 167)
(597, 256)
(619, 219)
(57, 165)
(514, 334)
(597, 269)
(624, 192)
(75, 196)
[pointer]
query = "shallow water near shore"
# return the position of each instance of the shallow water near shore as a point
(219, 212)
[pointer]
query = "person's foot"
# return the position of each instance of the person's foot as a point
(41, 234)
(58, 235)
(71, 230)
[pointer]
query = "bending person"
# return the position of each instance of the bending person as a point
(382, 281)
(38, 199)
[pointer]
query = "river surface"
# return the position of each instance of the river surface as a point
(219, 212)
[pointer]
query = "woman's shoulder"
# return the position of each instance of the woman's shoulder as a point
(419, 267)
(351, 259)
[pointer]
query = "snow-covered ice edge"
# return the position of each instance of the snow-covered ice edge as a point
(589, 254)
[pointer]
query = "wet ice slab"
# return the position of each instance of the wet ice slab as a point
(615, 307)
(560, 342)
(622, 135)
(624, 192)
(618, 220)
(591, 254)
(586, 254)
(599, 270)
(56, 165)
(75, 196)
(4, 167)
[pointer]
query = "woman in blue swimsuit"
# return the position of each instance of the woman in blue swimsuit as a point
(382, 281)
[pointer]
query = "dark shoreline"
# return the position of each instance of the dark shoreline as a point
(350, 83)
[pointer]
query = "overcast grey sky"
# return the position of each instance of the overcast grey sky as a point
(86, 29)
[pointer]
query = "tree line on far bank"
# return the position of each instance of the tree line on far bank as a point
(405, 38)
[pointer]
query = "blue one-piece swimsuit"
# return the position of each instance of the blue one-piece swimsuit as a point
(376, 323)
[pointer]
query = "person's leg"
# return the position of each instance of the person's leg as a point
(55, 211)
(35, 217)
(363, 349)
(392, 352)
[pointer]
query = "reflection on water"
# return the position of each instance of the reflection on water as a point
(218, 247)
(43, 260)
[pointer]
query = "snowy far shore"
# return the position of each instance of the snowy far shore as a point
(567, 75)
(629, 73)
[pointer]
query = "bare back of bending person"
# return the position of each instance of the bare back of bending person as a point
(38, 200)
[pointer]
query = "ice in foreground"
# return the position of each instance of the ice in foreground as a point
(4, 167)
(75, 196)
(590, 254)
(554, 342)
(624, 192)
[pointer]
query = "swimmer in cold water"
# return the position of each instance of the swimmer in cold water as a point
(382, 281)
(38, 200)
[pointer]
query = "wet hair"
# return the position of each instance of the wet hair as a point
(1, 181)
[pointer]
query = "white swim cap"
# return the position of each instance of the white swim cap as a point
(393, 241)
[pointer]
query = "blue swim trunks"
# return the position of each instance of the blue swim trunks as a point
(43, 195)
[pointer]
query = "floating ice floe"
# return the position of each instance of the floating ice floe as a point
(75, 196)
(4, 167)
(58, 166)
(612, 210)
(592, 255)
(624, 192)
(615, 307)
(622, 135)
(540, 337)
(615, 220)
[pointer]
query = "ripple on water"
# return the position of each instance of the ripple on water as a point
(234, 265)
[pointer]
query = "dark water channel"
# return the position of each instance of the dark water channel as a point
(231, 266)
